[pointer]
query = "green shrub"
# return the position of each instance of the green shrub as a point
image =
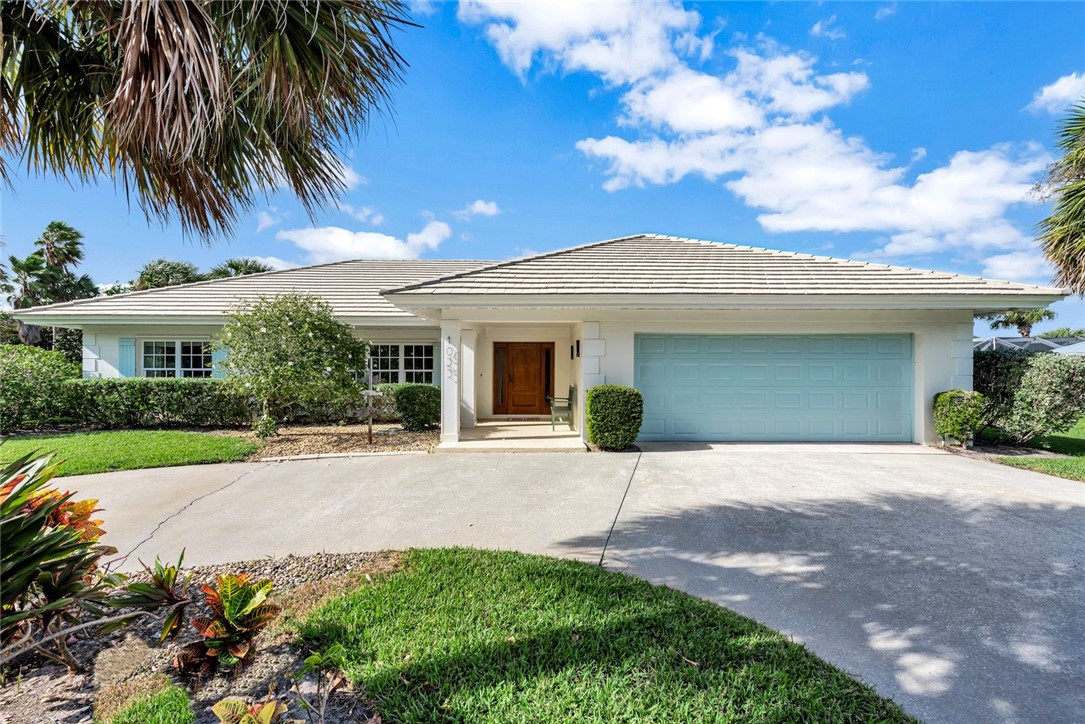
(958, 415)
(291, 353)
(31, 386)
(418, 406)
(996, 374)
(128, 402)
(386, 404)
(1050, 397)
(614, 413)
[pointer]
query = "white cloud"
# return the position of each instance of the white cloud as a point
(1060, 95)
(885, 11)
(274, 262)
(759, 126)
(333, 243)
(827, 29)
(268, 219)
(423, 7)
(478, 208)
(351, 178)
(364, 213)
(1028, 266)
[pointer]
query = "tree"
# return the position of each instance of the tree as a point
(1021, 319)
(291, 352)
(166, 273)
(1062, 332)
(28, 290)
(200, 106)
(61, 246)
(1062, 234)
(238, 266)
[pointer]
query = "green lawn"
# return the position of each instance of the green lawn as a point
(483, 636)
(97, 452)
(170, 706)
(1071, 442)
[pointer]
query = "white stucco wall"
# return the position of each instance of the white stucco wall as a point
(942, 343)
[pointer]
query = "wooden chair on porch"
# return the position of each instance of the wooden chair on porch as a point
(562, 406)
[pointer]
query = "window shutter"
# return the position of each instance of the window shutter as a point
(218, 356)
(126, 364)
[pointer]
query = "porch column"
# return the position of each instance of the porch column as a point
(450, 380)
(468, 373)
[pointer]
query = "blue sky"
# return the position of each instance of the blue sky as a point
(907, 133)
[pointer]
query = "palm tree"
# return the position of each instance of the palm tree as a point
(1062, 234)
(166, 273)
(28, 290)
(61, 245)
(1063, 332)
(200, 106)
(238, 266)
(1022, 319)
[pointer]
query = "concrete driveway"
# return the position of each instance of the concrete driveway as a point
(954, 586)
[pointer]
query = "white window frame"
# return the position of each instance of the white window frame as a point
(178, 369)
(400, 372)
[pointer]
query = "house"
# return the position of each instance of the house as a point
(1074, 349)
(1028, 344)
(726, 342)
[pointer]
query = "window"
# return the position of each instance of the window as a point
(176, 358)
(418, 363)
(403, 363)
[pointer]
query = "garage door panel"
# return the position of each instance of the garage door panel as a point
(793, 387)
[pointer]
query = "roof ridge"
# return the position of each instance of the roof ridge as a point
(511, 262)
(74, 303)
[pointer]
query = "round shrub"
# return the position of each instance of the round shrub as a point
(32, 386)
(958, 414)
(1050, 397)
(419, 406)
(614, 413)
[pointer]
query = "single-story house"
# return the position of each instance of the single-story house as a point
(725, 342)
(1028, 344)
(1074, 349)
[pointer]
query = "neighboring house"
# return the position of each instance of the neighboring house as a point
(1029, 344)
(725, 342)
(1075, 349)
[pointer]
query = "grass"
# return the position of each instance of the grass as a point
(99, 452)
(483, 636)
(168, 706)
(1071, 442)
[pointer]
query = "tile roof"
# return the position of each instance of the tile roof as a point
(649, 264)
(352, 288)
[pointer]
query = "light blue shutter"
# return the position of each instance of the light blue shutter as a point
(126, 364)
(218, 356)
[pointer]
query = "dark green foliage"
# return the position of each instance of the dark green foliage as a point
(418, 406)
(32, 387)
(487, 636)
(996, 374)
(615, 413)
(1029, 393)
(1050, 399)
(958, 415)
(156, 402)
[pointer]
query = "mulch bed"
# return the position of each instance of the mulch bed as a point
(37, 690)
(329, 439)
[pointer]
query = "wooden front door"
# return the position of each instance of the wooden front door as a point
(523, 377)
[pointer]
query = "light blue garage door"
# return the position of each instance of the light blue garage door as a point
(780, 387)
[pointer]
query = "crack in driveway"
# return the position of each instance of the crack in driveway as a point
(123, 559)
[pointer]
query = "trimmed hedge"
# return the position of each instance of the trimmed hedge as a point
(614, 414)
(419, 406)
(958, 415)
(32, 387)
(157, 402)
